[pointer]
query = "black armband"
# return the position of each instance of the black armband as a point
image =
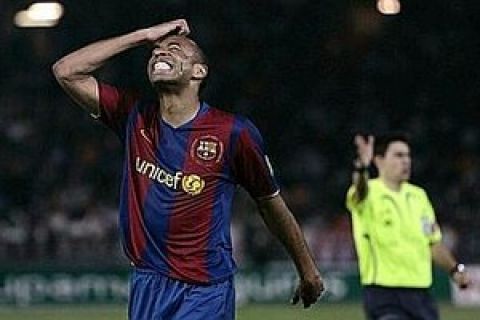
(361, 169)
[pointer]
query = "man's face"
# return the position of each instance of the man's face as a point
(172, 61)
(396, 164)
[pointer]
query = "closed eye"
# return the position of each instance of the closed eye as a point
(174, 47)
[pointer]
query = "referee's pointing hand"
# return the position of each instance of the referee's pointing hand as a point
(364, 149)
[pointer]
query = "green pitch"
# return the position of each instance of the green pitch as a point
(250, 312)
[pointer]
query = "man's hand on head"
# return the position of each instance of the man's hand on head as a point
(177, 27)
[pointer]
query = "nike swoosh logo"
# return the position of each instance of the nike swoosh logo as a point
(144, 135)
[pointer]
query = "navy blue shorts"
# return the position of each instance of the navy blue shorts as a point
(382, 303)
(157, 297)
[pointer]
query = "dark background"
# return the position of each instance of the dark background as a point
(310, 74)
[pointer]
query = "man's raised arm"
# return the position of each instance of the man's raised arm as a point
(362, 163)
(74, 71)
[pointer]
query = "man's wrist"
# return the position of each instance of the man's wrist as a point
(311, 276)
(459, 267)
(361, 168)
(309, 272)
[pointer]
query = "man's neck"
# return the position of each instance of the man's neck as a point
(393, 185)
(178, 108)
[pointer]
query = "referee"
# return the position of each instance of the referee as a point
(396, 234)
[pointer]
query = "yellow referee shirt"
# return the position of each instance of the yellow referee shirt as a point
(393, 232)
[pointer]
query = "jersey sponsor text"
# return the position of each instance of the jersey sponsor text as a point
(191, 184)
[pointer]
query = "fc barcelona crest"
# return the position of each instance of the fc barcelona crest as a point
(207, 149)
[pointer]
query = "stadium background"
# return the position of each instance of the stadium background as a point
(310, 74)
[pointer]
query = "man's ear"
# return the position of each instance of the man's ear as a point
(200, 71)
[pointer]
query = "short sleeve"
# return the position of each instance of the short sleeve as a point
(115, 106)
(431, 228)
(251, 166)
(351, 203)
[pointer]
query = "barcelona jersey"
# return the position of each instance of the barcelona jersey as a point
(178, 184)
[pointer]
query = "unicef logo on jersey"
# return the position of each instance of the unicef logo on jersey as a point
(191, 184)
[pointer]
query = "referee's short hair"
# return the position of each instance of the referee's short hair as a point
(382, 142)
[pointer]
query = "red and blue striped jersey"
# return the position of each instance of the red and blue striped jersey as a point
(178, 184)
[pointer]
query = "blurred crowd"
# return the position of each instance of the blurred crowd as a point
(310, 74)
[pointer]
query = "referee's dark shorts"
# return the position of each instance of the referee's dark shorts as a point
(384, 303)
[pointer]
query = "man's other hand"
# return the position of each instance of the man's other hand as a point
(462, 279)
(309, 290)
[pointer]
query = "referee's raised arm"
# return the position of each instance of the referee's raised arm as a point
(361, 165)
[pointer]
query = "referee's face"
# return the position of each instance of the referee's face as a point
(396, 164)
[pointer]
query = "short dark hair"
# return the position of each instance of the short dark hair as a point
(201, 58)
(382, 142)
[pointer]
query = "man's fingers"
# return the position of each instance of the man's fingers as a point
(359, 140)
(309, 299)
(186, 30)
(464, 283)
(182, 27)
(296, 297)
(175, 27)
(462, 279)
(371, 140)
(309, 293)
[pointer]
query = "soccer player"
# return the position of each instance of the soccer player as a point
(183, 160)
(396, 234)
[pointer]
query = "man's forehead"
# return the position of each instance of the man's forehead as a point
(182, 40)
(398, 146)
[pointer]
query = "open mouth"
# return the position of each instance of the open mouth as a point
(162, 67)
